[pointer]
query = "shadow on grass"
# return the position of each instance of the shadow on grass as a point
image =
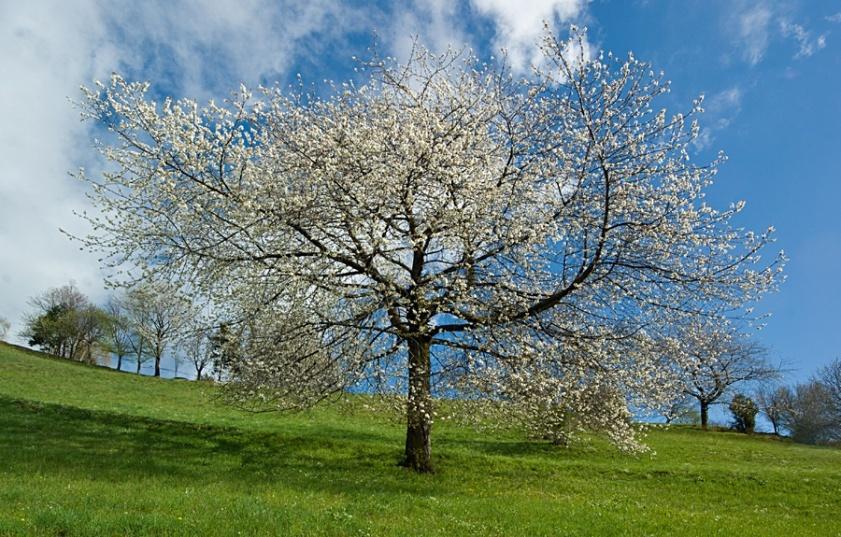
(62, 441)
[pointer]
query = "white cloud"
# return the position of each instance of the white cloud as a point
(720, 110)
(834, 18)
(47, 51)
(519, 25)
(754, 26)
(435, 23)
(204, 48)
(752, 31)
(49, 48)
(725, 101)
(190, 47)
(807, 44)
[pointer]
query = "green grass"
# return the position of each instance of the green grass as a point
(88, 451)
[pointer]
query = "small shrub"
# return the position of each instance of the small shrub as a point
(744, 413)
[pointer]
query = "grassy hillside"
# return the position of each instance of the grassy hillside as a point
(87, 451)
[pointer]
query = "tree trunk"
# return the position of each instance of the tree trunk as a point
(705, 407)
(120, 362)
(419, 408)
(158, 366)
(139, 355)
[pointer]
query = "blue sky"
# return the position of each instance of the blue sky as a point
(770, 72)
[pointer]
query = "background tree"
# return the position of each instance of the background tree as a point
(140, 349)
(773, 401)
(719, 358)
(830, 377)
(809, 415)
(443, 225)
(223, 345)
(118, 334)
(683, 411)
(66, 324)
(177, 361)
(50, 326)
(219, 345)
(159, 315)
(744, 412)
(197, 349)
(136, 314)
(5, 326)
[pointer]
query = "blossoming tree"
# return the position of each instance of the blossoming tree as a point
(717, 359)
(443, 227)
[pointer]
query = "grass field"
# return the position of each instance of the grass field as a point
(89, 451)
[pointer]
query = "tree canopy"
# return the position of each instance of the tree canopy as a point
(65, 323)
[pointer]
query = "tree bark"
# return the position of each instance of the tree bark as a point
(705, 407)
(139, 355)
(157, 366)
(419, 408)
(120, 362)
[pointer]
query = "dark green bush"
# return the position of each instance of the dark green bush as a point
(744, 413)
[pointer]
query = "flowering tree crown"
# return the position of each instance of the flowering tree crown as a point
(443, 226)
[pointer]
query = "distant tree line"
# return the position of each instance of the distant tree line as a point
(725, 366)
(808, 412)
(67, 325)
(143, 324)
(150, 321)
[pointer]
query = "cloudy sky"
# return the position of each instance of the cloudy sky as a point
(770, 71)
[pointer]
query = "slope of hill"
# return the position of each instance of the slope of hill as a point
(89, 451)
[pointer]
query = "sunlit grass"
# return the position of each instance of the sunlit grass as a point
(88, 451)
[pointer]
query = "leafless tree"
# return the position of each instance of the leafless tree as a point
(830, 376)
(118, 330)
(196, 345)
(137, 316)
(159, 314)
(810, 414)
(773, 401)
